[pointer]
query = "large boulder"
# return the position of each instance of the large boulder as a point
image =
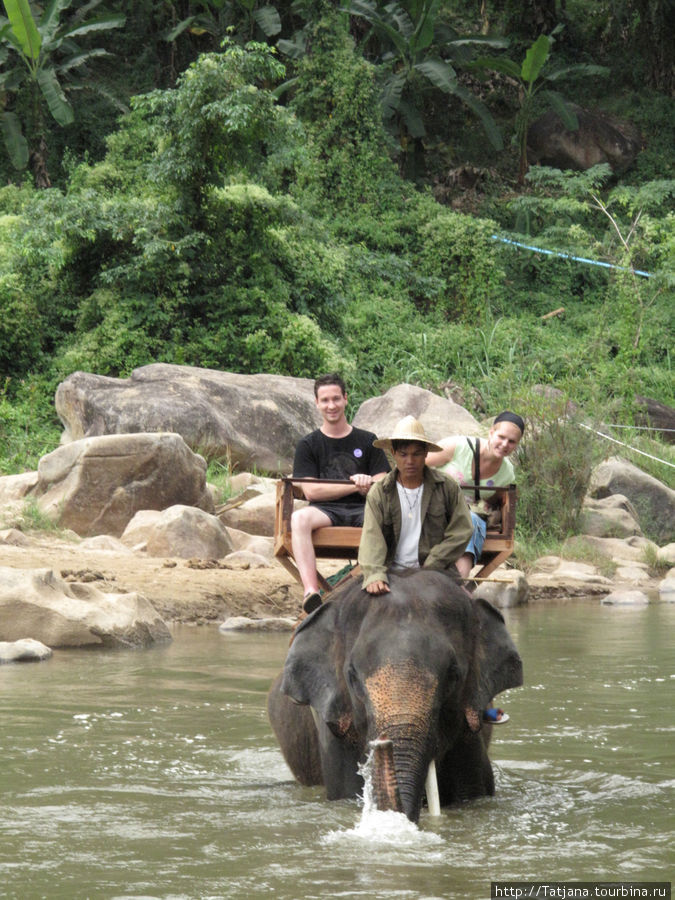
(255, 515)
(510, 588)
(666, 555)
(439, 416)
(249, 543)
(621, 550)
(667, 587)
(653, 501)
(179, 531)
(552, 576)
(14, 538)
(40, 604)
(600, 138)
(95, 485)
(253, 420)
(625, 598)
(654, 414)
(611, 517)
(16, 487)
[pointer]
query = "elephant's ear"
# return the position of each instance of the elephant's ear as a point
(496, 665)
(312, 672)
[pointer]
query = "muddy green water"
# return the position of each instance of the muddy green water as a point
(154, 774)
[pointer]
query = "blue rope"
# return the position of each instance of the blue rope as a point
(591, 262)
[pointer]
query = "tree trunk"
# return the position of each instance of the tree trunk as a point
(37, 162)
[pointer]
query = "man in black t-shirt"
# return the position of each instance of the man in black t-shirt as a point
(335, 451)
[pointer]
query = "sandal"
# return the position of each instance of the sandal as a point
(495, 716)
(312, 601)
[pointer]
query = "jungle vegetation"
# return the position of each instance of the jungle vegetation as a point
(298, 187)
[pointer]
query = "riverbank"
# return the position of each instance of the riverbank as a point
(202, 591)
(182, 590)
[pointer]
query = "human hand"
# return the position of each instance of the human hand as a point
(362, 482)
(378, 587)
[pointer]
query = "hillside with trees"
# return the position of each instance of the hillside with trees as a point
(298, 187)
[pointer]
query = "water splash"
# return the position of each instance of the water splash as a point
(382, 827)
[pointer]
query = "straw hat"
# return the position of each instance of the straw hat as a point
(408, 429)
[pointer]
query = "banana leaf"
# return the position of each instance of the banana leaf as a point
(15, 142)
(53, 94)
(24, 28)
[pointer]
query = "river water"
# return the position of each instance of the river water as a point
(155, 774)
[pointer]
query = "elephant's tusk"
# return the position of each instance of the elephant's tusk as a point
(431, 787)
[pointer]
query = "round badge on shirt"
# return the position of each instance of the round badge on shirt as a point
(358, 452)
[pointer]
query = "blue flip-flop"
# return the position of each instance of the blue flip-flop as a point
(495, 716)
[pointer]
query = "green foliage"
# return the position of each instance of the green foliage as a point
(414, 49)
(245, 19)
(224, 301)
(627, 227)
(658, 567)
(47, 53)
(29, 427)
(20, 341)
(219, 474)
(461, 251)
(218, 123)
(336, 99)
(554, 461)
(32, 518)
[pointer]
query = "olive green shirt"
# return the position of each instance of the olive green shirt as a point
(446, 525)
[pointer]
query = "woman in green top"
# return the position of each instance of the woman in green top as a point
(458, 459)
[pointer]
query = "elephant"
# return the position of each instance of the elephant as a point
(408, 674)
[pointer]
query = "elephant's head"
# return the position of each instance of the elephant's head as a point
(414, 667)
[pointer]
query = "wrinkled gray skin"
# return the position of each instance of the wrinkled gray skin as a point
(415, 668)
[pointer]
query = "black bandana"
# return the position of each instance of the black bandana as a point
(507, 416)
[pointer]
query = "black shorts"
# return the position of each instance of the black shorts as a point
(343, 513)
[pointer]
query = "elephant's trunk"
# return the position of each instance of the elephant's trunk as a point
(411, 763)
(402, 697)
(385, 787)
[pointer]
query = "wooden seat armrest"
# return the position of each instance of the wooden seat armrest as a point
(289, 489)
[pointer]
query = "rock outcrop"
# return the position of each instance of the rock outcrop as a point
(556, 577)
(25, 650)
(179, 531)
(16, 487)
(95, 485)
(511, 589)
(600, 138)
(255, 421)
(613, 516)
(654, 414)
(243, 623)
(255, 514)
(145, 494)
(653, 501)
(439, 415)
(39, 604)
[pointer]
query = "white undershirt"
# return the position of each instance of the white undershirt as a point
(407, 550)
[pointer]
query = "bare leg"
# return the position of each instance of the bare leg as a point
(303, 522)
(465, 564)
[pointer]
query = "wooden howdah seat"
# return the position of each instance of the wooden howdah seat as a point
(341, 542)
